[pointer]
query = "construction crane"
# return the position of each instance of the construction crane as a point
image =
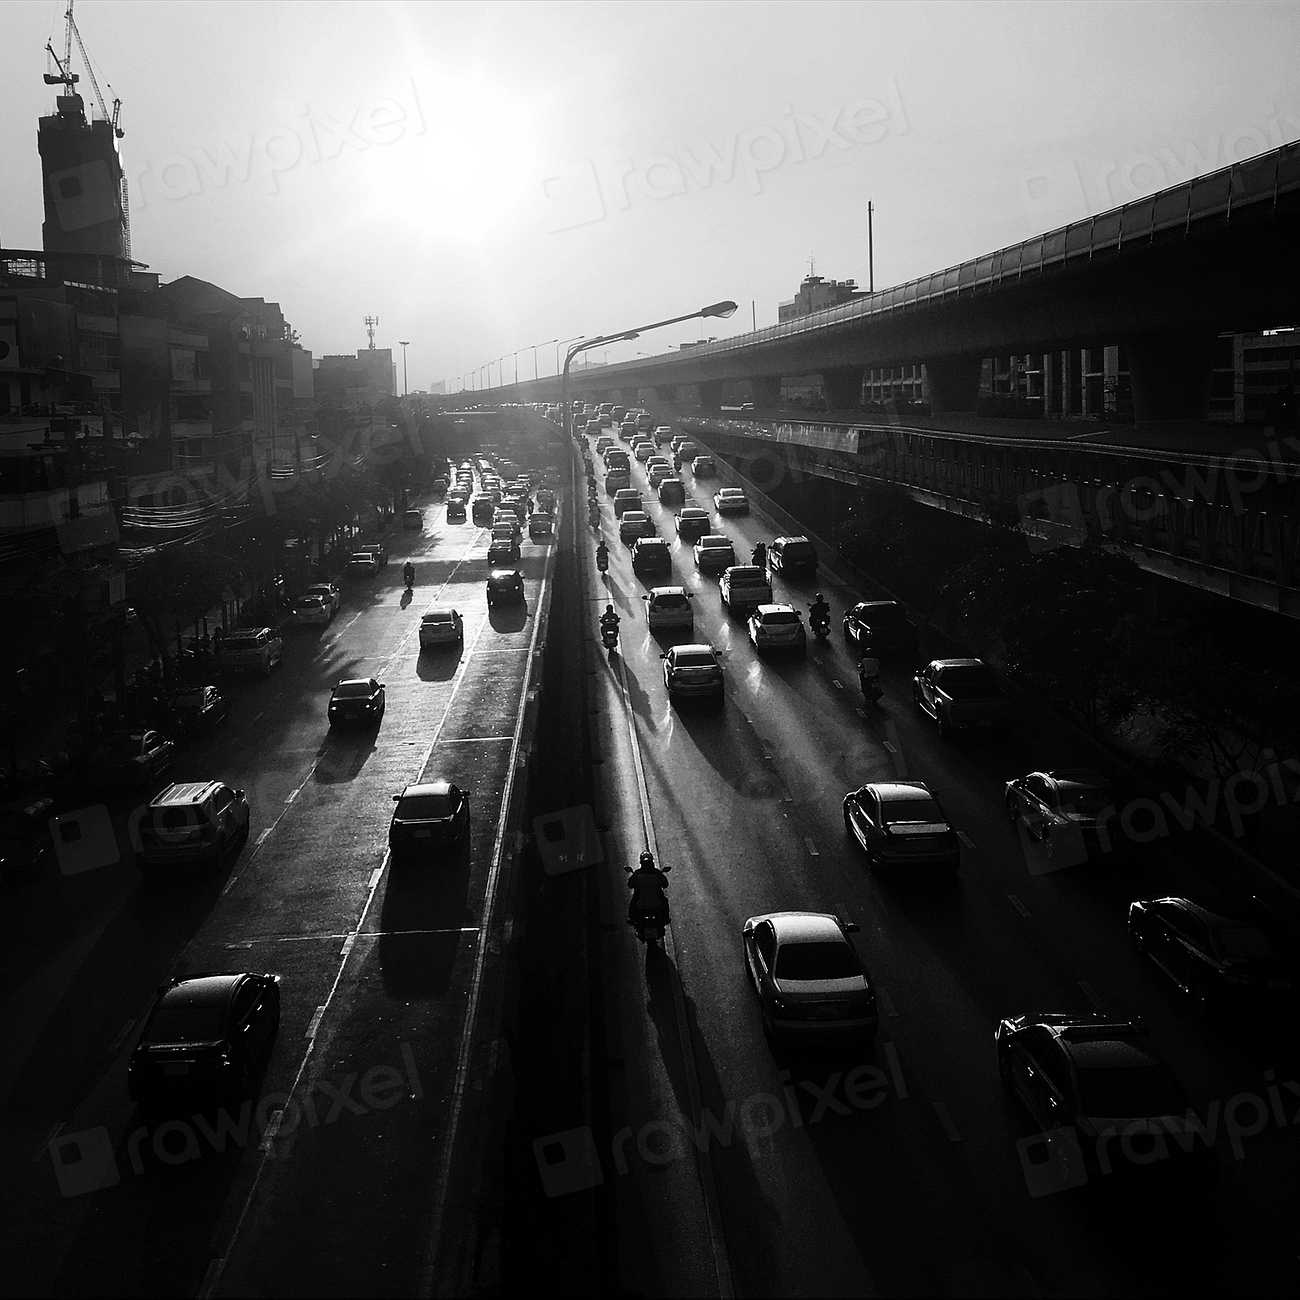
(68, 78)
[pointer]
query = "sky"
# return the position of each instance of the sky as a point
(486, 177)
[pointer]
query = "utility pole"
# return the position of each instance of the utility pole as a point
(404, 344)
(753, 313)
(871, 255)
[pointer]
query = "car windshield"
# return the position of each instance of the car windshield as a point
(673, 601)
(1244, 941)
(800, 551)
(439, 616)
(970, 684)
(694, 516)
(1132, 1092)
(175, 816)
(695, 659)
(714, 544)
(821, 959)
(780, 616)
(911, 810)
(424, 805)
(187, 1025)
(352, 690)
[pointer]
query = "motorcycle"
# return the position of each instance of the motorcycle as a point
(602, 559)
(869, 680)
(593, 516)
(409, 575)
(821, 626)
(609, 635)
(649, 925)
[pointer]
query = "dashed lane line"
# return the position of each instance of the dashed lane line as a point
(1019, 906)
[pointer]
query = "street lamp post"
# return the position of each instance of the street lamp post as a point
(561, 343)
(543, 344)
(404, 343)
(719, 309)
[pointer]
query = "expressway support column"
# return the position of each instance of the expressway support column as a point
(953, 383)
(1171, 376)
(765, 392)
(843, 388)
(709, 394)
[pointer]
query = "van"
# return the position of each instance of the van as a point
(792, 557)
(255, 648)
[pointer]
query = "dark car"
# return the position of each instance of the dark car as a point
(1105, 1101)
(428, 816)
(505, 587)
(692, 524)
(413, 520)
(198, 708)
(1065, 803)
(205, 1034)
(357, 700)
(1220, 963)
(901, 824)
(651, 555)
(810, 982)
(127, 759)
(456, 511)
(880, 627)
(503, 550)
(25, 840)
(794, 558)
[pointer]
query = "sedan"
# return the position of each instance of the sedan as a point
(651, 555)
(505, 587)
(634, 525)
(731, 501)
(901, 824)
(777, 627)
(668, 608)
(1220, 963)
(312, 609)
(540, 526)
(810, 982)
(503, 550)
(692, 522)
(656, 476)
(432, 814)
(1069, 803)
(643, 450)
(206, 1034)
(357, 700)
(329, 591)
(456, 511)
(197, 708)
(363, 562)
(692, 670)
(127, 759)
(703, 467)
(714, 553)
(880, 627)
(413, 520)
(441, 625)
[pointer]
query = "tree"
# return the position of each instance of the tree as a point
(174, 582)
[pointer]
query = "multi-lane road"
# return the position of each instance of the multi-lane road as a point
(920, 1188)
(328, 1186)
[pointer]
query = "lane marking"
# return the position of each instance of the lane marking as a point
(473, 740)
(882, 996)
(835, 682)
(1091, 994)
(861, 714)
(812, 848)
(49, 1137)
(314, 1023)
(374, 876)
(896, 749)
(966, 839)
(946, 1120)
(121, 1037)
(888, 744)
(1019, 906)
(272, 1128)
(347, 945)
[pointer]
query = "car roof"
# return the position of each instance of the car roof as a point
(697, 647)
(713, 537)
(1215, 920)
(900, 790)
(877, 604)
(201, 991)
(428, 787)
(774, 608)
(731, 491)
(799, 538)
(744, 568)
(1078, 776)
(500, 575)
(183, 792)
(957, 663)
(692, 511)
(354, 681)
(803, 927)
(642, 542)
(443, 611)
(667, 591)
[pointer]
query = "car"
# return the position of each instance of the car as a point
(626, 499)
(482, 508)
(777, 627)
(618, 412)
(634, 525)
(540, 526)
(357, 700)
(507, 521)
(616, 480)
(503, 550)
(704, 467)
(810, 982)
(378, 550)
(192, 823)
(617, 458)
(744, 587)
(1220, 963)
(441, 625)
(693, 669)
(128, 759)
(592, 426)
(662, 435)
(545, 501)
(627, 429)
(667, 608)
(606, 420)
(429, 815)
(1104, 1099)
(413, 520)
(656, 474)
(517, 504)
(604, 443)
(692, 524)
(254, 649)
(714, 553)
(645, 422)
(205, 1036)
(651, 555)
(643, 450)
(199, 708)
(455, 512)
(901, 824)
(26, 844)
(1074, 802)
(329, 591)
(363, 563)
(686, 450)
(312, 609)
(880, 627)
(793, 558)
(730, 500)
(505, 587)
(960, 695)
(672, 492)
(439, 486)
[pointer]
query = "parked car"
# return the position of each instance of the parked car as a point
(540, 526)
(362, 563)
(192, 823)
(308, 609)
(1067, 801)
(357, 700)
(253, 649)
(634, 525)
(378, 550)
(901, 824)
(205, 1036)
(199, 708)
(430, 815)
(25, 841)
(810, 982)
(693, 669)
(650, 555)
(441, 625)
(505, 587)
(880, 627)
(413, 520)
(128, 759)
(730, 501)
(439, 486)
(794, 558)
(668, 608)
(1221, 964)
(743, 588)
(329, 592)
(960, 695)
(778, 627)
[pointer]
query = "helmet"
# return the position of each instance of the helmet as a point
(609, 609)
(819, 597)
(647, 859)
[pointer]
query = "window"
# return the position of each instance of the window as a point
(244, 1001)
(912, 810)
(765, 937)
(822, 959)
(186, 1025)
(425, 806)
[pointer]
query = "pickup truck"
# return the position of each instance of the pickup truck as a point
(960, 695)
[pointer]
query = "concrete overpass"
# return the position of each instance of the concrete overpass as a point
(1163, 275)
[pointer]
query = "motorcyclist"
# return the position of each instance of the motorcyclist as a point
(602, 556)
(820, 610)
(408, 572)
(759, 558)
(609, 619)
(649, 906)
(869, 676)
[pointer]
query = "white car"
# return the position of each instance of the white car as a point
(643, 450)
(744, 587)
(778, 627)
(312, 609)
(714, 553)
(441, 625)
(329, 591)
(731, 501)
(668, 607)
(656, 474)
